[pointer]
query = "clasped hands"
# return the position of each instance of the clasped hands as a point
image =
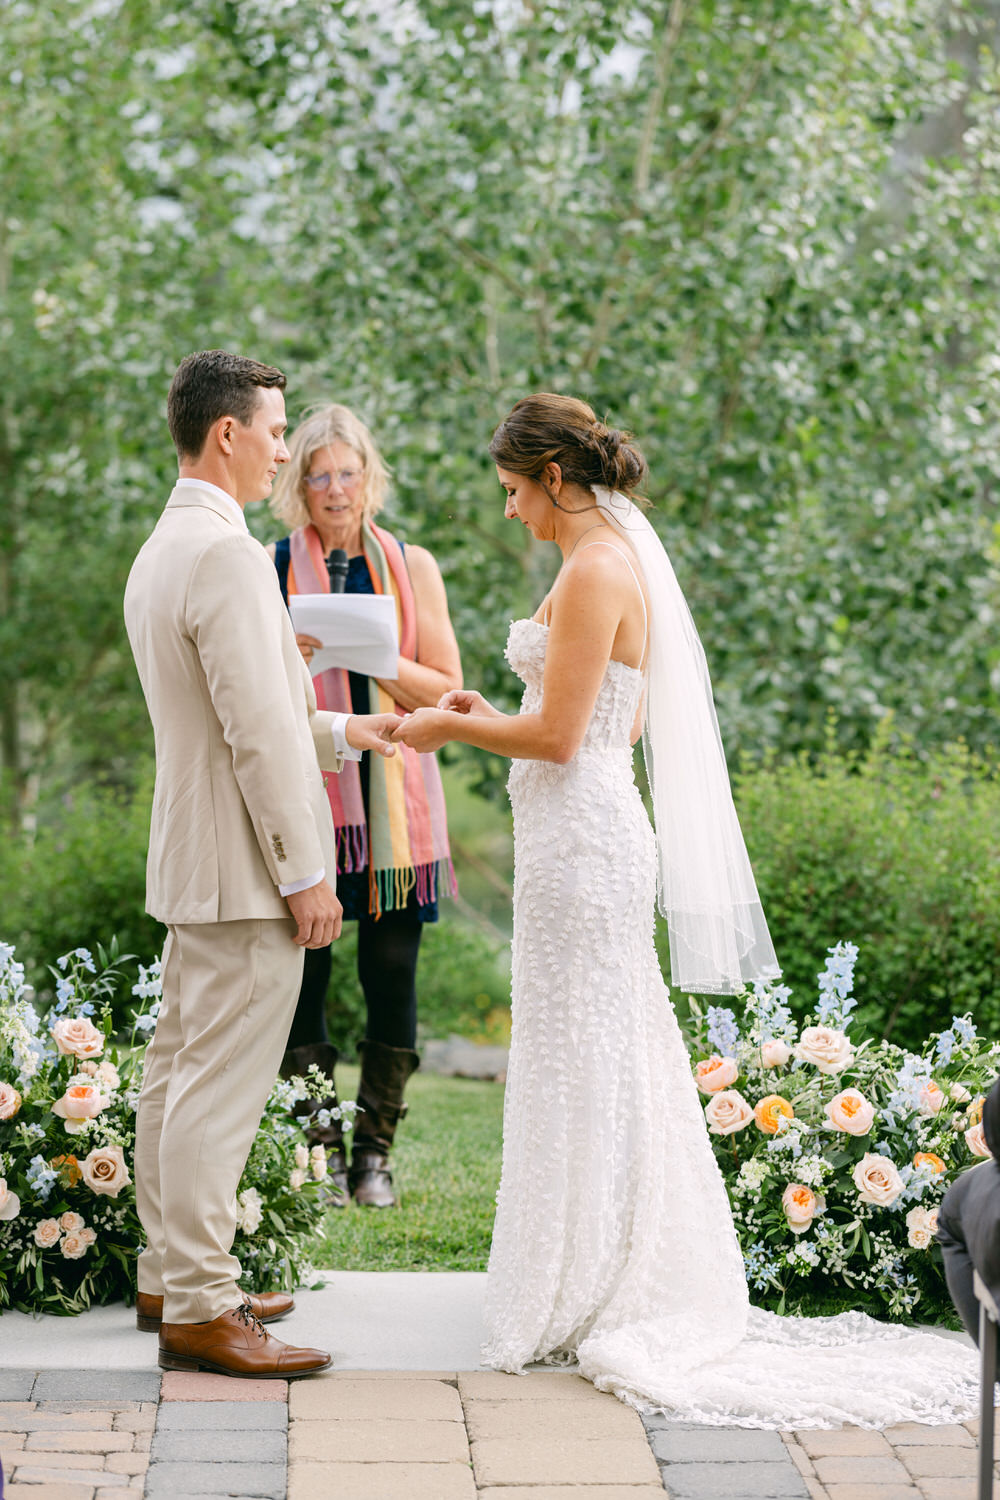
(429, 728)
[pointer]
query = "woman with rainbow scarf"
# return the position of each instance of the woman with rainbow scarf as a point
(393, 859)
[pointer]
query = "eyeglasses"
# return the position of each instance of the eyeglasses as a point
(347, 479)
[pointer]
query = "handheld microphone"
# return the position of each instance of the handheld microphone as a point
(336, 567)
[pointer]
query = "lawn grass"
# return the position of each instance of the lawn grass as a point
(446, 1166)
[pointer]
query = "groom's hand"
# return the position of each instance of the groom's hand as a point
(372, 732)
(319, 915)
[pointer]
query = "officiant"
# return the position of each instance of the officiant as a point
(393, 858)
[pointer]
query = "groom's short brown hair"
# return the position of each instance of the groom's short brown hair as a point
(210, 385)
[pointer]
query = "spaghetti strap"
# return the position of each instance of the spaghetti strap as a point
(642, 596)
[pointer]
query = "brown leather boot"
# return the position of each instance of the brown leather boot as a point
(235, 1343)
(384, 1071)
(265, 1306)
(333, 1188)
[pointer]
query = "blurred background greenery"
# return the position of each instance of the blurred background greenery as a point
(765, 236)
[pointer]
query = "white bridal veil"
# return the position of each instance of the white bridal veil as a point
(718, 936)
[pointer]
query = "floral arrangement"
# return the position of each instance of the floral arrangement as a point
(69, 1230)
(836, 1151)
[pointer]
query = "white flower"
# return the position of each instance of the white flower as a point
(301, 1156)
(250, 1211)
(959, 1093)
(70, 1221)
(296, 1179)
(826, 1048)
(317, 1163)
(10, 1203)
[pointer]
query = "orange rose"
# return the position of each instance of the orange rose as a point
(975, 1110)
(768, 1112)
(68, 1168)
(928, 1159)
(715, 1072)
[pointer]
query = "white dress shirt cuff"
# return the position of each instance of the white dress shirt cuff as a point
(301, 885)
(338, 729)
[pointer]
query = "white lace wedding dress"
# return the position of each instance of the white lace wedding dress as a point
(614, 1243)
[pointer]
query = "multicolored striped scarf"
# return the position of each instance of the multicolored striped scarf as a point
(405, 840)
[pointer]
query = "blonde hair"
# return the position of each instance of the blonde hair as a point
(326, 425)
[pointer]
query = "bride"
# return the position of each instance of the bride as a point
(614, 1245)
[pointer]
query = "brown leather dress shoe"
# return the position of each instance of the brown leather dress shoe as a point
(235, 1344)
(265, 1306)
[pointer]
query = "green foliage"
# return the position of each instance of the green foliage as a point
(765, 235)
(446, 1165)
(81, 875)
(896, 854)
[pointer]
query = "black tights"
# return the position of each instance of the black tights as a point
(387, 971)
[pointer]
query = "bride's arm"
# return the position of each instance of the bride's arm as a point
(587, 609)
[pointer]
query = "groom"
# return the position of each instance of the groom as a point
(240, 842)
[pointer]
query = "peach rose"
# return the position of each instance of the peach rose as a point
(10, 1101)
(727, 1111)
(850, 1111)
(715, 1073)
(774, 1053)
(825, 1048)
(77, 1037)
(976, 1140)
(10, 1203)
(104, 1170)
(81, 1102)
(930, 1099)
(959, 1093)
(77, 1243)
(800, 1206)
(928, 1159)
(877, 1180)
(70, 1221)
(88, 1069)
(768, 1113)
(47, 1233)
(921, 1224)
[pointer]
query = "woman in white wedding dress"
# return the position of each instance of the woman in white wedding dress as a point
(614, 1245)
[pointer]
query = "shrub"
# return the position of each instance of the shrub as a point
(901, 856)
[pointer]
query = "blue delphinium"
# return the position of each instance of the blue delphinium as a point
(42, 1177)
(835, 985)
(723, 1032)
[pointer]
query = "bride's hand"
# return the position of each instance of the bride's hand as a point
(466, 701)
(425, 729)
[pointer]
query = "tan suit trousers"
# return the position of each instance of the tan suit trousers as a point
(229, 992)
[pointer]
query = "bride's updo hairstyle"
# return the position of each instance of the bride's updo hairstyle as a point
(549, 429)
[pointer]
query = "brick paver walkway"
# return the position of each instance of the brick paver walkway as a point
(436, 1435)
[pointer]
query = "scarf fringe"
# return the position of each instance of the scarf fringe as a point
(390, 889)
(352, 848)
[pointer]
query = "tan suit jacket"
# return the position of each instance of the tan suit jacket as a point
(239, 806)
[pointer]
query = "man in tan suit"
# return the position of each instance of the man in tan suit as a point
(240, 842)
